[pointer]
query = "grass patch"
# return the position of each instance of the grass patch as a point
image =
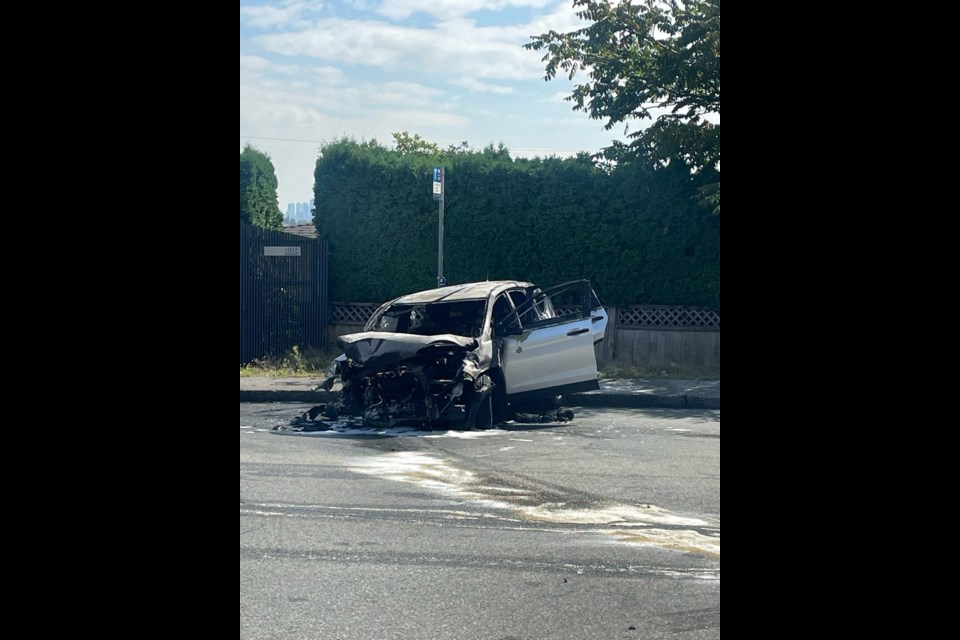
(295, 364)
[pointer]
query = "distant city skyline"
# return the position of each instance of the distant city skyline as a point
(299, 213)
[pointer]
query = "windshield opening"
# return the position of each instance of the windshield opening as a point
(464, 318)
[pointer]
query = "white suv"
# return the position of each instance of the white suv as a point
(470, 356)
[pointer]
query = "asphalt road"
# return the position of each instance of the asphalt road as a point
(607, 527)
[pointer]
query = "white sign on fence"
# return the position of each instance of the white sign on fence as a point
(282, 252)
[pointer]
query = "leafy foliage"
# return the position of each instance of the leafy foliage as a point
(407, 144)
(651, 60)
(638, 234)
(258, 190)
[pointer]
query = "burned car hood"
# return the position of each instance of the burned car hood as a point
(376, 350)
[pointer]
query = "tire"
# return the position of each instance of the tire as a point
(501, 409)
(544, 405)
(484, 419)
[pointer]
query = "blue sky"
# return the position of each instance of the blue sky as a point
(449, 70)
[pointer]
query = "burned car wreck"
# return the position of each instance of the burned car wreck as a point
(468, 356)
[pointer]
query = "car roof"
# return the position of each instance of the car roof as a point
(469, 291)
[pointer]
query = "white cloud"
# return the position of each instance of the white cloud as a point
(475, 86)
(421, 120)
(405, 93)
(400, 9)
(281, 14)
(454, 47)
(325, 99)
(328, 75)
(253, 63)
(563, 18)
(258, 64)
(298, 91)
(558, 97)
(257, 71)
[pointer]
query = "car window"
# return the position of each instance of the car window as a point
(527, 313)
(542, 307)
(538, 311)
(554, 305)
(463, 318)
(525, 309)
(502, 308)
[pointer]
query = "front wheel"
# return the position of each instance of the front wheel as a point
(501, 410)
(484, 419)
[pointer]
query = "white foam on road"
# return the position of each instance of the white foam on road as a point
(637, 516)
(466, 435)
(427, 472)
(339, 430)
(636, 525)
(683, 541)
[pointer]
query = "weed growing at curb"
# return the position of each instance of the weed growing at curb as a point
(295, 364)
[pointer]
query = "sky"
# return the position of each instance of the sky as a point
(450, 70)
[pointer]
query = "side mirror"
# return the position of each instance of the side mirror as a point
(512, 329)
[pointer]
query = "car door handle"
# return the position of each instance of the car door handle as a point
(578, 332)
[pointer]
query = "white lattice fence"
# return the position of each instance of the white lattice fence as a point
(569, 311)
(628, 317)
(351, 313)
(668, 318)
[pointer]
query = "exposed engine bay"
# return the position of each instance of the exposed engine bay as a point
(391, 380)
(429, 387)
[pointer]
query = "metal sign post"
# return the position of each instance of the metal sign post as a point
(439, 193)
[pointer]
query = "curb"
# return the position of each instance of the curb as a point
(604, 400)
(628, 401)
(306, 397)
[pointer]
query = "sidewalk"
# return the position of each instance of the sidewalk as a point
(620, 394)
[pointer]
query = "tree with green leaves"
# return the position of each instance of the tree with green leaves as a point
(653, 60)
(406, 144)
(414, 144)
(258, 190)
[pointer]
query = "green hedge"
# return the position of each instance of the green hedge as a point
(639, 235)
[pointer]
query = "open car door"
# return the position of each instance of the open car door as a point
(547, 343)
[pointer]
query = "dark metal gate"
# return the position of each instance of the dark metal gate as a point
(283, 293)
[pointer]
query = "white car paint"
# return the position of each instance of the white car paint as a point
(551, 357)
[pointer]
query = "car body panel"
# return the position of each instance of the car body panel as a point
(550, 359)
(380, 350)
